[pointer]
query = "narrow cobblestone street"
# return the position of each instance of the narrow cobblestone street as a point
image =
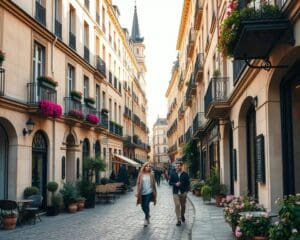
(122, 220)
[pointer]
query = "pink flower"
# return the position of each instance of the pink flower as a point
(92, 118)
(50, 109)
(238, 232)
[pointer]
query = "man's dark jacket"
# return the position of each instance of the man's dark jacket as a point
(184, 182)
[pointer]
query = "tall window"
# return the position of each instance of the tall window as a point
(72, 28)
(110, 109)
(70, 79)
(103, 99)
(120, 115)
(97, 97)
(103, 19)
(38, 61)
(58, 18)
(86, 34)
(85, 86)
(115, 111)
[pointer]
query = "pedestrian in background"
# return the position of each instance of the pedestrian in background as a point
(157, 174)
(181, 183)
(146, 191)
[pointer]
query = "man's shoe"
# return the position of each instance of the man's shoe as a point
(145, 223)
(183, 219)
(178, 223)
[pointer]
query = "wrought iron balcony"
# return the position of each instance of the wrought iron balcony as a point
(103, 123)
(191, 43)
(181, 139)
(115, 129)
(40, 13)
(101, 66)
(181, 111)
(86, 54)
(72, 40)
(58, 28)
(198, 14)
(136, 119)
(37, 92)
(215, 99)
(261, 30)
(173, 148)
(199, 123)
(199, 67)
(238, 67)
(73, 109)
(2, 81)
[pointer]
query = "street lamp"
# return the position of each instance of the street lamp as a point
(29, 127)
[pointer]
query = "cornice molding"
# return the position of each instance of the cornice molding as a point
(183, 23)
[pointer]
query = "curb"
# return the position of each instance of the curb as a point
(193, 218)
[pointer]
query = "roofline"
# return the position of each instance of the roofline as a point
(184, 18)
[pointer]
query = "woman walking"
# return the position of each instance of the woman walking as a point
(146, 190)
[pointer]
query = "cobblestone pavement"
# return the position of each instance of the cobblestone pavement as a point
(121, 220)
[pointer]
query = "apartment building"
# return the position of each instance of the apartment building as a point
(64, 91)
(160, 143)
(241, 110)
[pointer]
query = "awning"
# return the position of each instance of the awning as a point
(128, 160)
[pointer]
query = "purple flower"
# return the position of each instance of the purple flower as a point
(50, 109)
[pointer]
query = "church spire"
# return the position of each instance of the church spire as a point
(135, 30)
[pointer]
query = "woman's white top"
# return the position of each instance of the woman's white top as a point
(146, 185)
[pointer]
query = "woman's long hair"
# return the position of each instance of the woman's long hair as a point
(143, 168)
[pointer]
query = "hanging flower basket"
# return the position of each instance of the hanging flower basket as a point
(251, 33)
(47, 81)
(2, 57)
(92, 118)
(50, 109)
(76, 114)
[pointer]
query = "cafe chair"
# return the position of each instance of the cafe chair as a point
(33, 209)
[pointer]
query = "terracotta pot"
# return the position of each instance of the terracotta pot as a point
(259, 238)
(219, 200)
(80, 205)
(72, 208)
(9, 223)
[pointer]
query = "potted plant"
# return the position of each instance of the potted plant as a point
(69, 194)
(2, 57)
(89, 100)
(53, 210)
(80, 203)
(253, 227)
(76, 114)
(206, 192)
(29, 191)
(220, 193)
(92, 118)
(50, 109)
(76, 95)
(47, 81)
(9, 220)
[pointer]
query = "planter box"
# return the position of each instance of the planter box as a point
(75, 98)
(47, 85)
(257, 38)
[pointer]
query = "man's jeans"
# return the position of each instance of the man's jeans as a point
(145, 204)
(180, 201)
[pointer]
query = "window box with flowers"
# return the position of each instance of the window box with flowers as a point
(47, 82)
(252, 31)
(76, 114)
(76, 95)
(2, 57)
(50, 109)
(92, 118)
(90, 101)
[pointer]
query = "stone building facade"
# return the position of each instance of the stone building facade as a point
(72, 71)
(244, 115)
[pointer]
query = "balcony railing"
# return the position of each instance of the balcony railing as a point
(101, 66)
(181, 111)
(58, 28)
(86, 54)
(199, 67)
(136, 119)
(72, 40)
(37, 92)
(199, 122)
(127, 113)
(88, 109)
(191, 44)
(181, 139)
(103, 119)
(198, 14)
(115, 82)
(110, 77)
(2, 81)
(73, 108)
(216, 93)
(115, 129)
(173, 148)
(40, 13)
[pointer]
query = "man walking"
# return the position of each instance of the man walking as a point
(181, 183)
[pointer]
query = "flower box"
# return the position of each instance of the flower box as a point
(251, 33)
(89, 100)
(76, 95)
(76, 114)
(47, 82)
(92, 118)
(50, 109)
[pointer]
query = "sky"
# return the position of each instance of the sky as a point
(159, 24)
